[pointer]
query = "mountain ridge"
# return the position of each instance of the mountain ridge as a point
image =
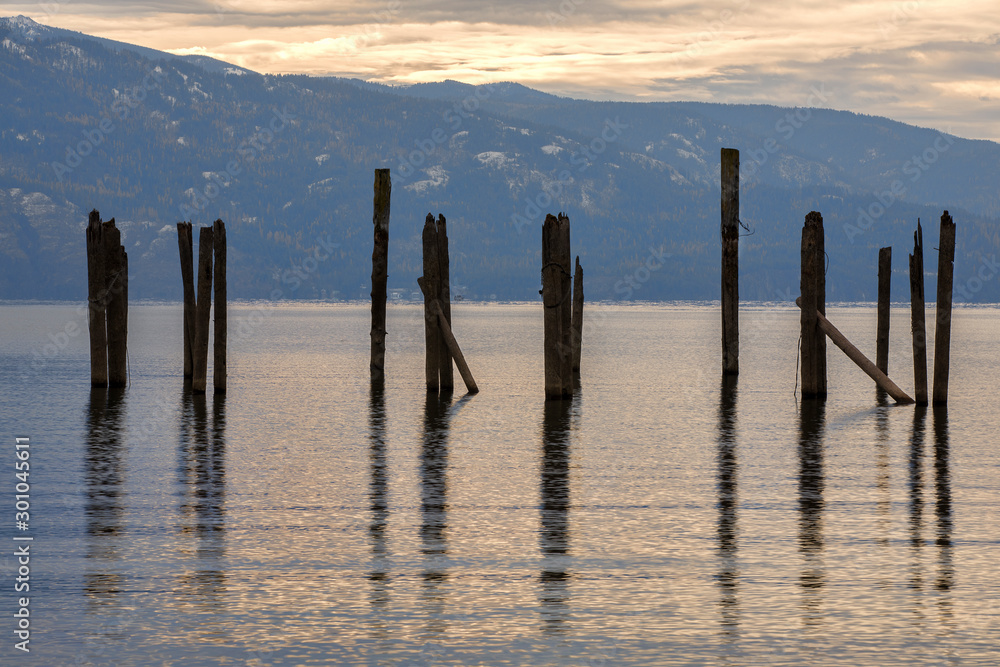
(287, 162)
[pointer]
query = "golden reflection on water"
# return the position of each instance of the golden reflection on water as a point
(391, 524)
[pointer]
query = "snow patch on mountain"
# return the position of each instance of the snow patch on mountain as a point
(494, 159)
(437, 178)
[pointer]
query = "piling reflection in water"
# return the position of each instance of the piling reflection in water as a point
(882, 466)
(202, 476)
(434, 508)
(554, 514)
(916, 500)
(728, 577)
(812, 418)
(104, 471)
(378, 491)
(942, 509)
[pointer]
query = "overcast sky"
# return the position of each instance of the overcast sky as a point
(929, 63)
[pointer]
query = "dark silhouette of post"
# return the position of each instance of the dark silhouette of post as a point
(447, 373)
(730, 261)
(185, 243)
(380, 272)
(813, 289)
(432, 292)
(557, 303)
(96, 297)
(577, 317)
(116, 291)
(884, 297)
(221, 335)
(918, 327)
(942, 330)
(199, 378)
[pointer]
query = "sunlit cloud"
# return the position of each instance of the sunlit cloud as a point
(931, 63)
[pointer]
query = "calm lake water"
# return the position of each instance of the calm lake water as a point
(661, 517)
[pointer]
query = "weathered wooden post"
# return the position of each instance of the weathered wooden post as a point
(116, 279)
(918, 327)
(577, 317)
(813, 288)
(447, 374)
(884, 297)
(556, 299)
(730, 261)
(380, 272)
(221, 334)
(431, 288)
(185, 243)
(942, 330)
(199, 378)
(96, 297)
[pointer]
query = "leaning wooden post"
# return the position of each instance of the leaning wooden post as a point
(884, 295)
(116, 290)
(942, 330)
(813, 288)
(380, 272)
(918, 327)
(447, 374)
(96, 309)
(451, 342)
(730, 261)
(557, 303)
(432, 282)
(577, 317)
(185, 244)
(855, 355)
(199, 379)
(221, 334)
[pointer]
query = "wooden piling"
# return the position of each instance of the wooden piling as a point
(863, 362)
(813, 289)
(199, 377)
(566, 308)
(918, 327)
(96, 301)
(577, 317)
(221, 333)
(185, 243)
(557, 302)
(380, 272)
(116, 291)
(884, 297)
(431, 288)
(942, 330)
(447, 374)
(730, 261)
